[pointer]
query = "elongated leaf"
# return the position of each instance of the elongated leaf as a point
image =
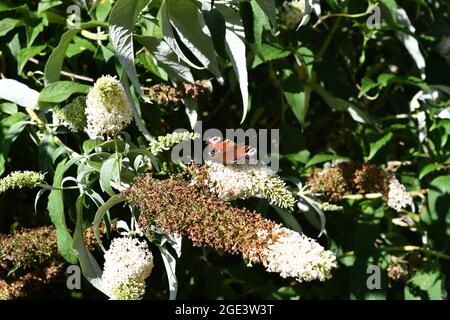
(377, 145)
(320, 158)
(187, 19)
(170, 264)
(121, 24)
(235, 47)
(18, 93)
(268, 6)
(437, 217)
(89, 266)
(61, 90)
(411, 44)
(342, 105)
(55, 61)
(8, 108)
(169, 36)
(167, 59)
(101, 213)
(108, 173)
(295, 96)
(216, 25)
(288, 219)
(7, 25)
(10, 128)
(315, 216)
(55, 208)
(26, 54)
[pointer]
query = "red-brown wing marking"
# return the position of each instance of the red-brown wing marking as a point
(227, 151)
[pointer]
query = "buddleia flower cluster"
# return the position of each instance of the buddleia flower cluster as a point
(73, 115)
(21, 179)
(292, 254)
(128, 262)
(243, 181)
(170, 140)
(29, 260)
(397, 197)
(345, 178)
(178, 207)
(292, 13)
(107, 108)
(164, 94)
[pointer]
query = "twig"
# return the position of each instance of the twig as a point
(379, 195)
(417, 248)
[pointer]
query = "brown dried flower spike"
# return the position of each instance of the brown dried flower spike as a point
(180, 208)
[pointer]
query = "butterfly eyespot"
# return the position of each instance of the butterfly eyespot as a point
(214, 152)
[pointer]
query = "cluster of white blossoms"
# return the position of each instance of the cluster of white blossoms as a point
(170, 140)
(128, 262)
(295, 255)
(292, 13)
(21, 179)
(243, 181)
(397, 197)
(107, 108)
(72, 115)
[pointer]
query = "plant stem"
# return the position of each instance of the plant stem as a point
(417, 248)
(327, 41)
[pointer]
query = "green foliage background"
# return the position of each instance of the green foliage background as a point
(335, 88)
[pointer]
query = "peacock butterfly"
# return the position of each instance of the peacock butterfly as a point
(227, 151)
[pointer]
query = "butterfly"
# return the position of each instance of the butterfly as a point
(227, 151)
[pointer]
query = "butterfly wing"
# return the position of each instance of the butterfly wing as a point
(228, 152)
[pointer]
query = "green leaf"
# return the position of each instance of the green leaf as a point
(342, 105)
(235, 47)
(53, 67)
(269, 52)
(54, 63)
(437, 217)
(411, 44)
(366, 85)
(268, 6)
(167, 59)
(147, 60)
(187, 19)
(108, 172)
(44, 6)
(216, 25)
(425, 284)
(10, 129)
(169, 36)
(295, 95)
(89, 266)
(288, 219)
(7, 24)
(118, 198)
(103, 9)
(8, 107)
(26, 54)
(47, 148)
(121, 24)
(429, 168)
(60, 91)
(18, 93)
(320, 158)
(55, 208)
(377, 145)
